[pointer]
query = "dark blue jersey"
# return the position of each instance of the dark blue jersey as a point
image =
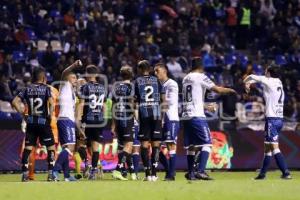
(36, 97)
(123, 94)
(147, 93)
(93, 94)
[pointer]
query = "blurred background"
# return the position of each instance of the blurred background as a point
(235, 38)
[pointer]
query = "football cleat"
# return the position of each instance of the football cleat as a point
(147, 178)
(55, 176)
(260, 177)
(93, 173)
(134, 177)
(203, 176)
(118, 175)
(86, 172)
(70, 179)
(190, 176)
(25, 177)
(286, 176)
(169, 178)
(154, 178)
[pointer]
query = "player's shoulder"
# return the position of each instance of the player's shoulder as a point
(171, 83)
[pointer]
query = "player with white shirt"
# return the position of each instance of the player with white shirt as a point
(274, 97)
(66, 121)
(170, 119)
(196, 131)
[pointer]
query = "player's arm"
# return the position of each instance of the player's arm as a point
(222, 90)
(251, 79)
(51, 105)
(17, 104)
(70, 68)
(211, 107)
(78, 113)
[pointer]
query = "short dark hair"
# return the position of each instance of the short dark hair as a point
(144, 66)
(126, 72)
(38, 74)
(274, 71)
(161, 64)
(91, 69)
(196, 63)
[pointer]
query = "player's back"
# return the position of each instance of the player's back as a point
(274, 96)
(122, 98)
(147, 92)
(36, 97)
(94, 94)
(170, 87)
(194, 87)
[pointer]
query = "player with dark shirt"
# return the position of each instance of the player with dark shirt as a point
(123, 122)
(148, 96)
(38, 99)
(91, 106)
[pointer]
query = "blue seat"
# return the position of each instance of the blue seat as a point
(280, 60)
(230, 59)
(19, 56)
(209, 60)
(31, 34)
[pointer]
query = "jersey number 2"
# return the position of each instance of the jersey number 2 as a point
(280, 98)
(149, 92)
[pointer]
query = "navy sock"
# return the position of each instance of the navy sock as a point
(281, 163)
(190, 162)
(172, 164)
(25, 158)
(203, 157)
(129, 163)
(145, 159)
(50, 159)
(136, 162)
(121, 161)
(266, 163)
(154, 160)
(164, 161)
(66, 168)
(83, 154)
(95, 159)
(61, 159)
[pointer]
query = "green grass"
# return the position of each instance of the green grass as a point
(228, 185)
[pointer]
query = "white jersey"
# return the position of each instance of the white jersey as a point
(273, 94)
(67, 101)
(194, 87)
(170, 87)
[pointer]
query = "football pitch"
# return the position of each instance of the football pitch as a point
(227, 185)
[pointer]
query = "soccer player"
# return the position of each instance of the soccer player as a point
(123, 122)
(274, 97)
(196, 131)
(91, 106)
(170, 119)
(148, 96)
(37, 96)
(66, 121)
(54, 129)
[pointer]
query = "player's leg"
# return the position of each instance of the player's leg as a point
(172, 161)
(77, 160)
(95, 136)
(156, 138)
(163, 158)
(190, 150)
(266, 162)
(203, 140)
(31, 166)
(66, 131)
(124, 157)
(171, 140)
(30, 142)
(135, 160)
(280, 162)
(144, 137)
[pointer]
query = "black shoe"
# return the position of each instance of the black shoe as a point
(190, 176)
(78, 176)
(203, 176)
(169, 178)
(25, 176)
(260, 177)
(286, 176)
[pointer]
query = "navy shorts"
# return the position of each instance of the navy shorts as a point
(196, 132)
(41, 132)
(273, 127)
(170, 130)
(150, 129)
(66, 131)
